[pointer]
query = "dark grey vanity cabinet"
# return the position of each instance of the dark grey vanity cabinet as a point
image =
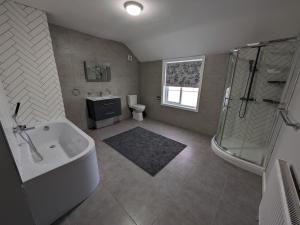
(103, 109)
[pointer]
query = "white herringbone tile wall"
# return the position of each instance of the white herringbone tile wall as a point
(27, 65)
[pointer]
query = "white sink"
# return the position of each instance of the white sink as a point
(98, 98)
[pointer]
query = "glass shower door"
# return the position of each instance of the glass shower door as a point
(236, 128)
(255, 83)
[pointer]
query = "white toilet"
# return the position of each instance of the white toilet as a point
(137, 108)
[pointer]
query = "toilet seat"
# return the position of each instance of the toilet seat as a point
(139, 107)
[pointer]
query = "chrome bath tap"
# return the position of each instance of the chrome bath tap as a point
(21, 131)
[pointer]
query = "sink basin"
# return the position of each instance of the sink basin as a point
(98, 98)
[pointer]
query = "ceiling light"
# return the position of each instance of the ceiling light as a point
(253, 44)
(133, 8)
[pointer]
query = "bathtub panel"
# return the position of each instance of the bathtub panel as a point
(54, 193)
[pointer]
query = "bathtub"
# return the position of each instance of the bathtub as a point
(67, 174)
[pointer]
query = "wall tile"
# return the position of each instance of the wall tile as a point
(27, 64)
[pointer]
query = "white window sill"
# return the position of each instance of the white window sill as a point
(180, 107)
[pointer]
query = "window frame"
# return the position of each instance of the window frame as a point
(181, 91)
(164, 89)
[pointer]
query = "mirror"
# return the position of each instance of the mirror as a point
(95, 72)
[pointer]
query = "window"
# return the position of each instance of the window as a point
(182, 82)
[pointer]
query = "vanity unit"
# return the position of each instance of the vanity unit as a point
(103, 111)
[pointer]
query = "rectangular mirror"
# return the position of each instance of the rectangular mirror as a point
(96, 72)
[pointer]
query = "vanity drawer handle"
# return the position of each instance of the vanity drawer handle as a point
(109, 113)
(111, 103)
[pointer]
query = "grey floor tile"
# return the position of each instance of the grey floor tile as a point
(172, 215)
(143, 202)
(93, 206)
(235, 212)
(116, 215)
(210, 182)
(241, 191)
(198, 204)
(168, 183)
(100, 208)
(63, 221)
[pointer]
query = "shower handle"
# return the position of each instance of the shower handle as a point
(226, 102)
(248, 99)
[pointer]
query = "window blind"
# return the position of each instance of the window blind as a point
(183, 74)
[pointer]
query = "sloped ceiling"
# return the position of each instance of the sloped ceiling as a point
(177, 28)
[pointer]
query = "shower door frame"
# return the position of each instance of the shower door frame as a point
(221, 124)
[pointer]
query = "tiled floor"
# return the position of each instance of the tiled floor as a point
(195, 188)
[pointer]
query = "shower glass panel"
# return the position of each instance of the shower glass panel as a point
(224, 109)
(255, 82)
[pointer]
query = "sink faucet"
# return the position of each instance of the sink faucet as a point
(21, 131)
(108, 91)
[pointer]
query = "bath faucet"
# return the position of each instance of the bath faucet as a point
(21, 131)
(19, 127)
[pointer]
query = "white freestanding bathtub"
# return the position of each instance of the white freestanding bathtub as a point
(67, 174)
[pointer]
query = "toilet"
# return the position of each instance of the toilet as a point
(137, 108)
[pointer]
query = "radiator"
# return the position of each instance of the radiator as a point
(280, 202)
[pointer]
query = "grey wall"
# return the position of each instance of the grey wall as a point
(206, 119)
(71, 48)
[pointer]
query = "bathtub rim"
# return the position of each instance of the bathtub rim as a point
(33, 168)
(90, 141)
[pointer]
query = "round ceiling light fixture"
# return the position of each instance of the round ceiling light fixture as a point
(133, 8)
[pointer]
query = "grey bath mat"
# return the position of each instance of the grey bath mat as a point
(148, 150)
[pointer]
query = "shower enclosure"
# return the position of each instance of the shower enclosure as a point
(257, 76)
